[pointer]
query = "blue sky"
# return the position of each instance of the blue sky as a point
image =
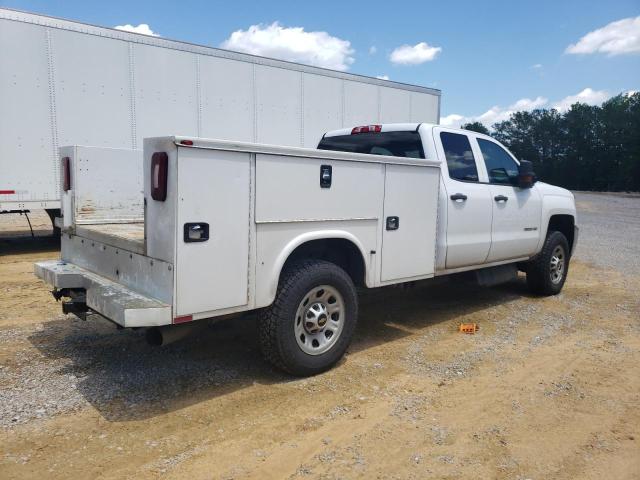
(488, 58)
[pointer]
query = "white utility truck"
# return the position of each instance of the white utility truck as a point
(227, 227)
(69, 83)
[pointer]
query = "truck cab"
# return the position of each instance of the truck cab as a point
(490, 210)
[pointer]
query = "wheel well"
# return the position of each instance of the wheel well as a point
(343, 253)
(563, 224)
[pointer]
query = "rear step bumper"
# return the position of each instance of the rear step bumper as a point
(110, 299)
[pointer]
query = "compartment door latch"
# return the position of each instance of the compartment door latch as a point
(325, 176)
(196, 232)
(393, 223)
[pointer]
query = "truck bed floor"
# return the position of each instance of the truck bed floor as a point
(128, 236)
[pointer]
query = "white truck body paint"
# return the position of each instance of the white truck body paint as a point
(262, 202)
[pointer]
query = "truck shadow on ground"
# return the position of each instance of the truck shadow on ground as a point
(125, 379)
(15, 243)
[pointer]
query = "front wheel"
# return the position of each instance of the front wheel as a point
(547, 273)
(310, 324)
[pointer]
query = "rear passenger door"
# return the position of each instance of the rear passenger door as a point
(515, 229)
(468, 201)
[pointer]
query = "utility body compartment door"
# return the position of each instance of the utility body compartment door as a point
(409, 223)
(213, 189)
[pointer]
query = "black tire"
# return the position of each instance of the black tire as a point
(541, 277)
(277, 323)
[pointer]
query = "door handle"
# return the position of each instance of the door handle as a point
(325, 176)
(458, 197)
(393, 223)
(500, 198)
(196, 232)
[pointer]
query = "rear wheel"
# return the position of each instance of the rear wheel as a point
(547, 273)
(310, 324)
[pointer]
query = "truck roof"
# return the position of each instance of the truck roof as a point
(268, 149)
(384, 127)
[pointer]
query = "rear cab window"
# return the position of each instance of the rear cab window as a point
(395, 144)
(460, 160)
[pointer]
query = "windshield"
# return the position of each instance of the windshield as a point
(394, 144)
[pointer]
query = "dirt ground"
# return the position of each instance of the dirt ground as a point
(549, 388)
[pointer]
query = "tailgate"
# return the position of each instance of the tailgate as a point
(103, 226)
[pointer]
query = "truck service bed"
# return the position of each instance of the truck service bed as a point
(212, 242)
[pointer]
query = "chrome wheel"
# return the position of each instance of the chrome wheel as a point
(557, 264)
(319, 320)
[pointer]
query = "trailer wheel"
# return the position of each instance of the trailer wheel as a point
(310, 324)
(547, 272)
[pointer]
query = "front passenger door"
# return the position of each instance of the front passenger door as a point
(515, 228)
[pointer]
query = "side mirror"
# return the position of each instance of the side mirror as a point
(526, 176)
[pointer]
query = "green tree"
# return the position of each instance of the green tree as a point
(476, 127)
(585, 148)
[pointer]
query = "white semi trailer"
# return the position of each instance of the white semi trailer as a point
(69, 83)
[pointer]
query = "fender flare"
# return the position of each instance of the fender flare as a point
(554, 205)
(306, 237)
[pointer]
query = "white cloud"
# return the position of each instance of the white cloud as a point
(588, 96)
(293, 44)
(373, 50)
(453, 120)
(537, 66)
(414, 55)
(383, 77)
(528, 104)
(496, 113)
(143, 28)
(616, 38)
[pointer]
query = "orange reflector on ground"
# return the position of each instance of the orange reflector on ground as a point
(469, 327)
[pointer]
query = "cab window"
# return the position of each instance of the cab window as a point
(502, 169)
(460, 160)
(395, 144)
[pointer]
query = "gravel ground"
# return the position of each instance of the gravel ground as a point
(413, 399)
(609, 231)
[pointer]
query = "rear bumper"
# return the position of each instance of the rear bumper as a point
(110, 299)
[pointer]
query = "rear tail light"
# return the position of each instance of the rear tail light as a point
(367, 129)
(66, 174)
(159, 165)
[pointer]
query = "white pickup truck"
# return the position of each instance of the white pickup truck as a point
(210, 228)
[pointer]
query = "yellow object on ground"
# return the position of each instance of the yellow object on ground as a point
(469, 327)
